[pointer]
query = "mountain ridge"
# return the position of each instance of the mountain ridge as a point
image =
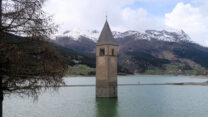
(164, 35)
(160, 52)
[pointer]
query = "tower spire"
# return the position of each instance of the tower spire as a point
(106, 36)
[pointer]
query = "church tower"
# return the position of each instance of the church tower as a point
(106, 64)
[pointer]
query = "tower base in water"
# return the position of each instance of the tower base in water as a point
(105, 89)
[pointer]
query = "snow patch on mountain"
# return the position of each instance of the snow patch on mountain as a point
(168, 36)
(124, 34)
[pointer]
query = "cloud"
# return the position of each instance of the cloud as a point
(136, 19)
(90, 14)
(191, 19)
(124, 15)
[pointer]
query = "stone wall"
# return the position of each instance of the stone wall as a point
(106, 71)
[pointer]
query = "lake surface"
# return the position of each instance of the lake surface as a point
(132, 101)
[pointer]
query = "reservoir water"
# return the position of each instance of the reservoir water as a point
(132, 101)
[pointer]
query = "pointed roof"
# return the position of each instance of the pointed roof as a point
(106, 37)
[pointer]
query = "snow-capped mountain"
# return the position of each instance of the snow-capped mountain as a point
(168, 36)
(76, 33)
(154, 34)
(163, 35)
(139, 51)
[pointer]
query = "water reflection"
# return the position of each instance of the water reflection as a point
(106, 107)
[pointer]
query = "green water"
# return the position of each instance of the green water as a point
(132, 101)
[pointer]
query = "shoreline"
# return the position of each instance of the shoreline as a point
(192, 76)
(143, 84)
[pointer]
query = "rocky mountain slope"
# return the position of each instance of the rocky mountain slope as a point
(151, 52)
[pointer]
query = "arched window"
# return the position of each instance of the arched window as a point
(112, 52)
(102, 51)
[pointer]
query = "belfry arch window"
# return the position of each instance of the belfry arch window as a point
(102, 51)
(113, 53)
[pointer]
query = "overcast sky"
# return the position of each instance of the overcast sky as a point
(188, 15)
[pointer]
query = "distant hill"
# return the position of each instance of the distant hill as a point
(73, 58)
(152, 52)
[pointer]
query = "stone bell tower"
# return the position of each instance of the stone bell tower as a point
(106, 64)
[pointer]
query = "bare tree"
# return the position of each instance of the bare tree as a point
(26, 67)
